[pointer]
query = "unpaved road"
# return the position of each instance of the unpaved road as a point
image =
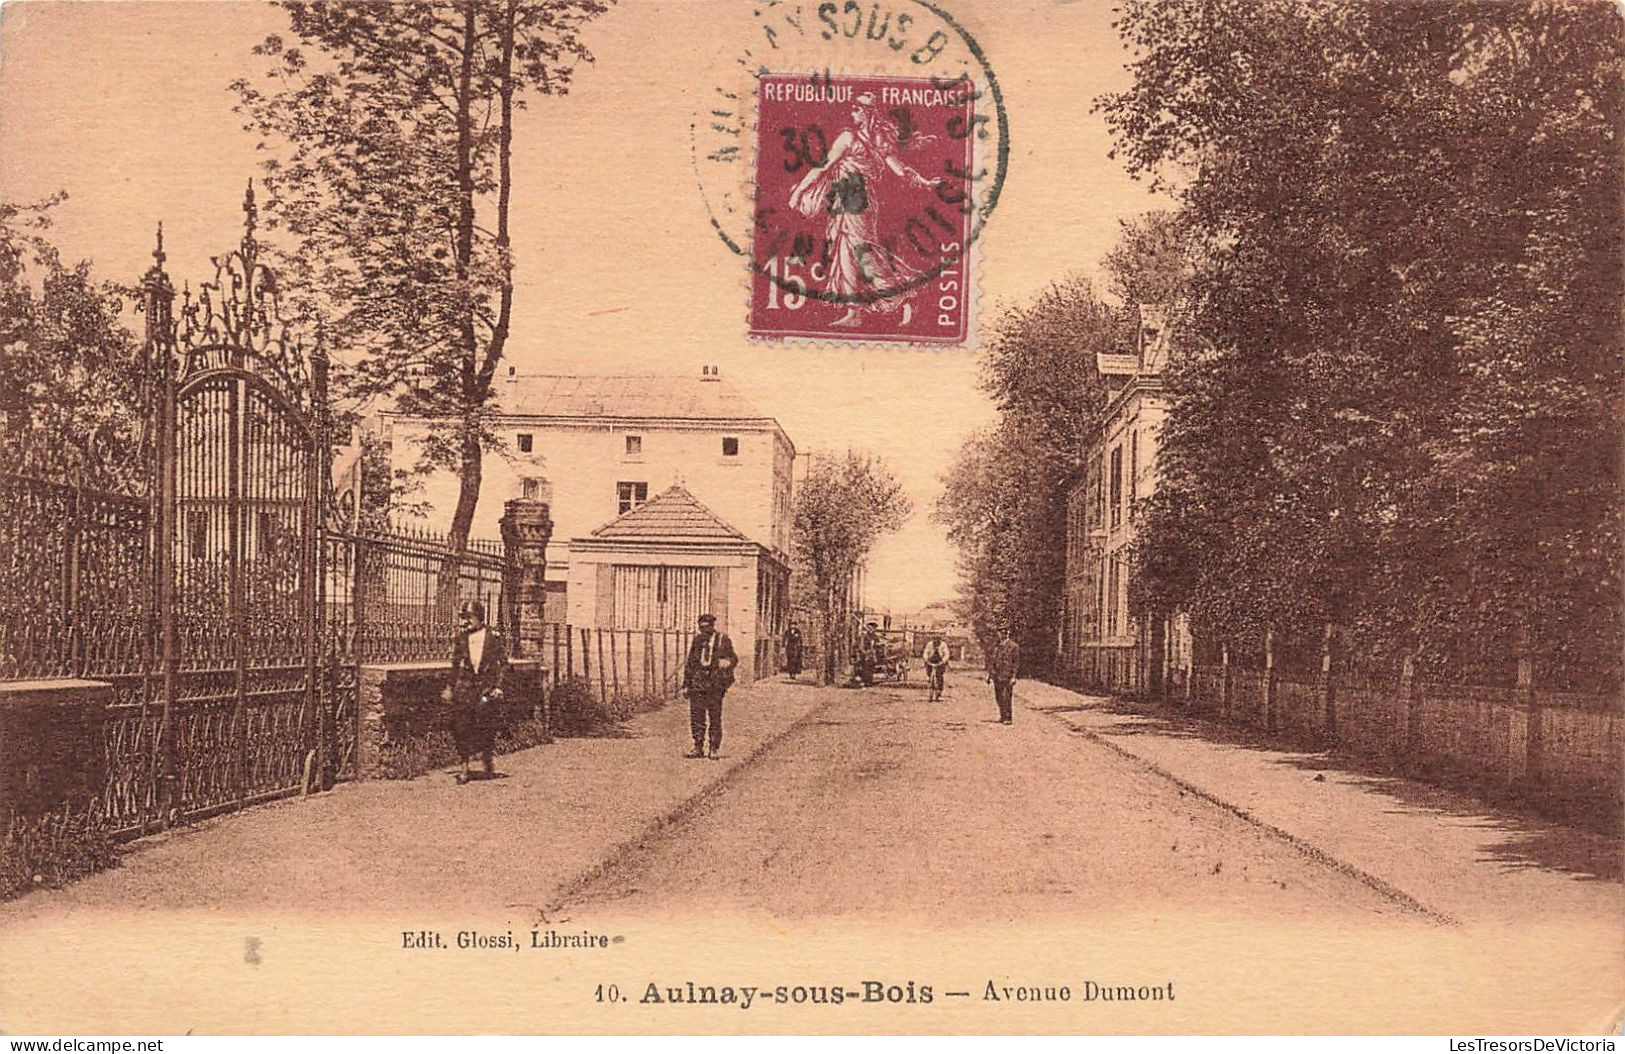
(881, 805)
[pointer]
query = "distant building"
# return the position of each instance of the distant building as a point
(1101, 644)
(936, 619)
(608, 445)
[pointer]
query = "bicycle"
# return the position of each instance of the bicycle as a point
(933, 682)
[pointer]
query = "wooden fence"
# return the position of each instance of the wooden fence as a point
(615, 664)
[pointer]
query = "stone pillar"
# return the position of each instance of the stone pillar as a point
(1190, 671)
(1409, 714)
(527, 527)
(1525, 770)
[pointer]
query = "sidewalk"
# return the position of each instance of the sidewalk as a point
(430, 845)
(1452, 854)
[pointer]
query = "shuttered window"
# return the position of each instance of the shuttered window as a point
(660, 597)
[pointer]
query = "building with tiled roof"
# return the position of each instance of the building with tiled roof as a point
(608, 446)
(663, 564)
(672, 515)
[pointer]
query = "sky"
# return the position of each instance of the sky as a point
(125, 106)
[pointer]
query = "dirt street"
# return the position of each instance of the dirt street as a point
(843, 836)
(883, 806)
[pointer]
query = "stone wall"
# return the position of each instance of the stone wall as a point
(406, 725)
(51, 753)
(1554, 747)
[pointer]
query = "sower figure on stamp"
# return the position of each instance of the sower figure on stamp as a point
(1002, 667)
(707, 675)
(853, 187)
(479, 663)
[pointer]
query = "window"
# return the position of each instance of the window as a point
(1113, 589)
(1100, 591)
(634, 446)
(525, 441)
(730, 446)
(1117, 485)
(630, 495)
(530, 488)
(1133, 470)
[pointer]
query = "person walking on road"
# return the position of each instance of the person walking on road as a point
(1002, 667)
(479, 663)
(707, 675)
(868, 648)
(936, 667)
(793, 652)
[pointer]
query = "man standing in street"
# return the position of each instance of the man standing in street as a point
(1002, 666)
(936, 665)
(707, 675)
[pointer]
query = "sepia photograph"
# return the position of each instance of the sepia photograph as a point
(812, 517)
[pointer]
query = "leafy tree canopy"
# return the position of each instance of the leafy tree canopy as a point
(73, 394)
(389, 130)
(1404, 417)
(1004, 499)
(843, 507)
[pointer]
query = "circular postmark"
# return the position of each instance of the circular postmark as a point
(852, 153)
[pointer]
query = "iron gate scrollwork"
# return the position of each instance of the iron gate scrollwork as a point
(243, 455)
(213, 581)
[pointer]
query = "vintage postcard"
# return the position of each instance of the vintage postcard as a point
(811, 517)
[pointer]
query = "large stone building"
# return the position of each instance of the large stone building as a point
(606, 446)
(1102, 645)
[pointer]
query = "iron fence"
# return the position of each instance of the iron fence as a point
(394, 598)
(75, 584)
(77, 592)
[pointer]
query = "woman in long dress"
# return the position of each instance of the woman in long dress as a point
(792, 652)
(852, 186)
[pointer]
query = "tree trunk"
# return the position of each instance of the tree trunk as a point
(468, 491)
(828, 629)
(470, 471)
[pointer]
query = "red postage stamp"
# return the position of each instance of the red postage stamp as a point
(864, 209)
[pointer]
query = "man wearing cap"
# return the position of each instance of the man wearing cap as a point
(707, 675)
(1002, 667)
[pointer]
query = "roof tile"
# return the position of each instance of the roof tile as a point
(673, 514)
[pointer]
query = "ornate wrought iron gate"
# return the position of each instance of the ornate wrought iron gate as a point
(242, 465)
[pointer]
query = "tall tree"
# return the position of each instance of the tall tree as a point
(73, 391)
(1406, 415)
(1004, 500)
(390, 128)
(843, 507)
